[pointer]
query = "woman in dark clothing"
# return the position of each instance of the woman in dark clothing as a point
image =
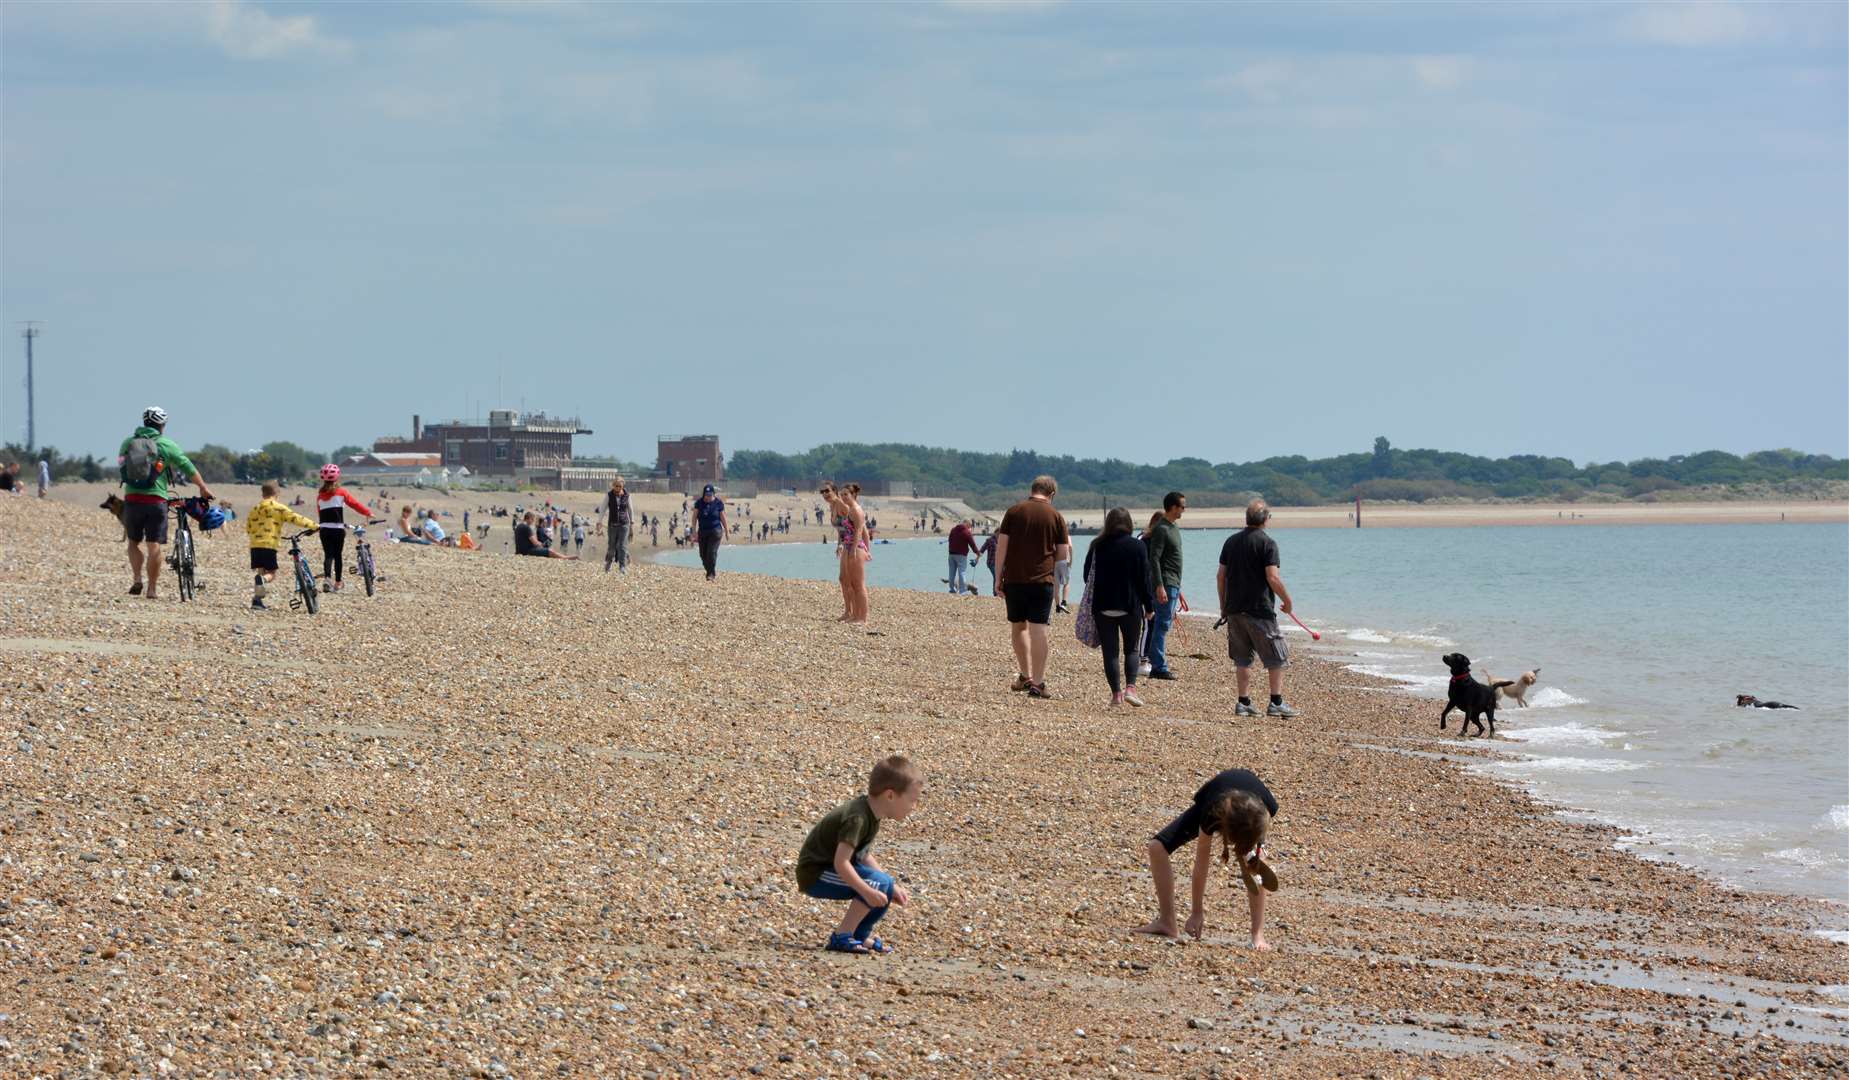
(1117, 565)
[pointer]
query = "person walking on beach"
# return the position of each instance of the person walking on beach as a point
(147, 462)
(1117, 565)
(1165, 564)
(331, 503)
(962, 555)
(1030, 539)
(1248, 582)
(616, 502)
(710, 510)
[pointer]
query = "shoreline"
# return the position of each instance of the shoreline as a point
(511, 795)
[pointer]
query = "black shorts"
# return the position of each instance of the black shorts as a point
(1029, 603)
(145, 522)
(263, 558)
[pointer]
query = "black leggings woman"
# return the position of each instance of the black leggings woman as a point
(1121, 600)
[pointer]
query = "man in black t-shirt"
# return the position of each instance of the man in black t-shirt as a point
(1248, 580)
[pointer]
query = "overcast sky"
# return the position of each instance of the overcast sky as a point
(1145, 231)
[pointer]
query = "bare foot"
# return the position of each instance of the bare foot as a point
(1156, 928)
(1261, 945)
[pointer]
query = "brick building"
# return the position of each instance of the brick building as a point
(689, 461)
(506, 445)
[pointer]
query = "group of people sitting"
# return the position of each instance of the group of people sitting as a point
(426, 529)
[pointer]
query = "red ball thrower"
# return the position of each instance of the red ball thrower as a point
(1314, 636)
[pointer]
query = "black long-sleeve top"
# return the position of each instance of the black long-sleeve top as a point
(1120, 574)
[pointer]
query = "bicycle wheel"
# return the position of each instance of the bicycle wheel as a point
(305, 584)
(183, 560)
(366, 567)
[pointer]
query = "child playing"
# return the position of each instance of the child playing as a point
(332, 501)
(836, 865)
(1238, 808)
(265, 528)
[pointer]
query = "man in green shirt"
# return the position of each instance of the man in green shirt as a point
(149, 461)
(1165, 564)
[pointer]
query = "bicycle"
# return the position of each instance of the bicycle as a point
(304, 576)
(362, 554)
(184, 558)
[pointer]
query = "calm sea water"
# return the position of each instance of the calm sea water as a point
(1643, 635)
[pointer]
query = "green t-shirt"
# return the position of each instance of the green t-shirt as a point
(853, 823)
(176, 465)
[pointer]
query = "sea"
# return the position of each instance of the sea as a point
(1643, 634)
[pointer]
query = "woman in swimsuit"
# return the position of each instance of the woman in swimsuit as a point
(839, 513)
(856, 553)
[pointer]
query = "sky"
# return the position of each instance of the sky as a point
(1146, 231)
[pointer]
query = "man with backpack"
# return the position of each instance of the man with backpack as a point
(149, 462)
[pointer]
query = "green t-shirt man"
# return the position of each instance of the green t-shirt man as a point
(173, 461)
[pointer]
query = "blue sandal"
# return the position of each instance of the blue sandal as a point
(846, 943)
(875, 945)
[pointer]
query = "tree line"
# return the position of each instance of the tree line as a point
(218, 464)
(1383, 473)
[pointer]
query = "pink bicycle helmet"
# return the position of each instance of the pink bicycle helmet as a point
(330, 472)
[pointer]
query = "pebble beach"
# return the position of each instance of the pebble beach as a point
(520, 817)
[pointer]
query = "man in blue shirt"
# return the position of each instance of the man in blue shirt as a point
(710, 512)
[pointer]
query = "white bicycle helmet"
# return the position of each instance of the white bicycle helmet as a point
(154, 416)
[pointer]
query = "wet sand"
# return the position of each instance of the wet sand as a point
(517, 817)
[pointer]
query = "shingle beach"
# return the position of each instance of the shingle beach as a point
(516, 817)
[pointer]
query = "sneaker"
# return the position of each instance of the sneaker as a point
(257, 604)
(1142, 669)
(1117, 699)
(1130, 696)
(1280, 709)
(1020, 683)
(1244, 708)
(1168, 675)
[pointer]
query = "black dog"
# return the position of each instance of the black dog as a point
(1748, 700)
(1477, 700)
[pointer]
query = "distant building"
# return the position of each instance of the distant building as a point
(507, 446)
(689, 461)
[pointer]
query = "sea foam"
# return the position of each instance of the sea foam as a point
(1569, 764)
(1569, 734)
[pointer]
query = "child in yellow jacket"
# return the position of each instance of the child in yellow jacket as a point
(265, 524)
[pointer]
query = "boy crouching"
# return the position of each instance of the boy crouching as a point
(836, 864)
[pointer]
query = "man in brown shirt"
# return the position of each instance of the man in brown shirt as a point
(1030, 539)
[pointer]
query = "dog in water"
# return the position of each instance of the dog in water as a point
(1749, 701)
(1477, 700)
(1516, 691)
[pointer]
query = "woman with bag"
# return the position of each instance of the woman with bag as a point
(1119, 599)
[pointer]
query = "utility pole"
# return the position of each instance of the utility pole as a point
(32, 331)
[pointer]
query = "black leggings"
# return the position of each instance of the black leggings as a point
(709, 552)
(1121, 633)
(332, 544)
